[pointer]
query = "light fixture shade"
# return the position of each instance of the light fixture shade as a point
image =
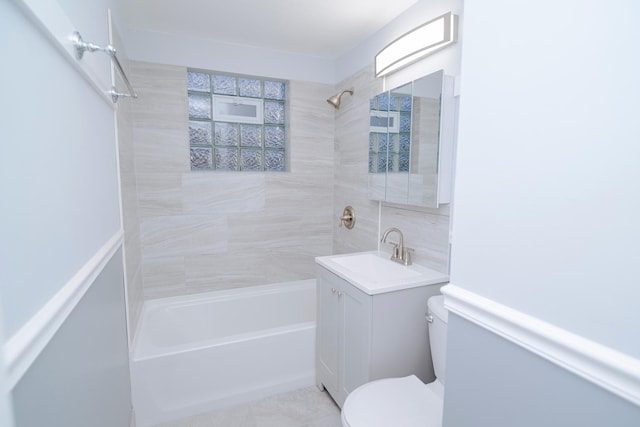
(417, 43)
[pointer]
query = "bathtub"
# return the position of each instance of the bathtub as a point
(197, 353)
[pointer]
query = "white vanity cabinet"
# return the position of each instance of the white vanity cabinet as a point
(362, 337)
(343, 337)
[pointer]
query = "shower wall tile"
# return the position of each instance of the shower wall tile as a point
(159, 194)
(229, 271)
(207, 230)
(163, 276)
(224, 271)
(162, 96)
(125, 141)
(311, 130)
(183, 235)
(130, 214)
(299, 195)
(161, 150)
(223, 193)
(351, 165)
(271, 231)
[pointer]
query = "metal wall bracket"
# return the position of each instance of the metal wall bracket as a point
(82, 46)
(348, 218)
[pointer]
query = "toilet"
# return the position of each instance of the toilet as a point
(404, 402)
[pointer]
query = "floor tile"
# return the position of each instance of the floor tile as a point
(307, 407)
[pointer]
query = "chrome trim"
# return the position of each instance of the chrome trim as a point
(81, 47)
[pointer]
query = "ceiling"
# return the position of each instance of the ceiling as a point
(320, 28)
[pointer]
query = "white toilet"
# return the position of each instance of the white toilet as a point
(404, 402)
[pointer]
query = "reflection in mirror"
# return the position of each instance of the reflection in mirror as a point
(408, 143)
(390, 142)
(423, 184)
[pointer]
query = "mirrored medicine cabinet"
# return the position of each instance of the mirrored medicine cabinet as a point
(411, 133)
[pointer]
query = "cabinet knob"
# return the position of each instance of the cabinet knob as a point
(333, 290)
(339, 294)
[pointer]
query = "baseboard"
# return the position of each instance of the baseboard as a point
(22, 349)
(601, 365)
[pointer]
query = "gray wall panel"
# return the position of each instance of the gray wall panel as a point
(493, 382)
(81, 378)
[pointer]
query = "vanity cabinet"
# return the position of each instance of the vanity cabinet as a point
(362, 337)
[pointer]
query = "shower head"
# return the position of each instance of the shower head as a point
(335, 99)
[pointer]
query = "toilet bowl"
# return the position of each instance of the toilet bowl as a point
(404, 402)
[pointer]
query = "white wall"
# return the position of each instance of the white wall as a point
(172, 49)
(60, 205)
(547, 187)
(545, 226)
(51, 159)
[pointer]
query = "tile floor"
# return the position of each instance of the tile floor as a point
(307, 407)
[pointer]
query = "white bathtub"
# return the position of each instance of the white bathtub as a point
(201, 352)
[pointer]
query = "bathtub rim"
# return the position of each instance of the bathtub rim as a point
(141, 351)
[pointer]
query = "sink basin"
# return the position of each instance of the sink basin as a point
(375, 268)
(374, 273)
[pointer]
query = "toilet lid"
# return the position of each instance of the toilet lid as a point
(393, 402)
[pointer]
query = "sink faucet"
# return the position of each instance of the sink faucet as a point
(400, 253)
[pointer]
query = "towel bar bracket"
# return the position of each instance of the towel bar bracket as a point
(115, 95)
(82, 46)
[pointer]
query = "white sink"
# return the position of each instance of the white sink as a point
(374, 267)
(374, 272)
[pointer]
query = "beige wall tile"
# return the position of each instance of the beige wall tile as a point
(224, 229)
(159, 194)
(351, 167)
(182, 235)
(162, 96)
(161, 150)
(223, 193)
(163, 276)
(202, 231)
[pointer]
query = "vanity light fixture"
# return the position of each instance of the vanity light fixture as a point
(417, 43)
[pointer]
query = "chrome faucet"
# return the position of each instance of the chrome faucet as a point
(400, 253)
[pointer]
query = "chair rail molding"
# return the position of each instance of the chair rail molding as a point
(23, 347)
(608, 368)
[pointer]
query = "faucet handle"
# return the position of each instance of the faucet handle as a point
(406, 255)
(395, 251)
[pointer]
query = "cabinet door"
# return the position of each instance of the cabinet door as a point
(355, 339)
(328, 319)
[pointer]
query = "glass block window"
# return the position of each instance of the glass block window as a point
(236, 123)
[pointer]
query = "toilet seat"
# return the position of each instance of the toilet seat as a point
(394, 402)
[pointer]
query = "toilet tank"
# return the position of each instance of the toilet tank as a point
(438, 334)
